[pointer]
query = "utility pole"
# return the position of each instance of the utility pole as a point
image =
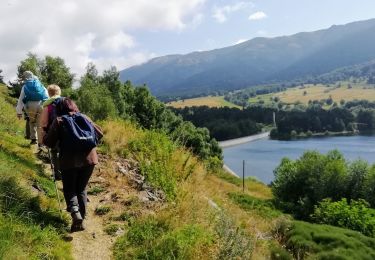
(243, 176)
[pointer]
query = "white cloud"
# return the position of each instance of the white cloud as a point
(258, 16)
(116, 42)
(221, 13)
(81, 31)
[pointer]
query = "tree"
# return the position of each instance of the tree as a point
(329, 101)
(54, 71)
(31, 63)
(1, 77)
(299, 185)
(96, 102)
(50, 70)
(366, 119)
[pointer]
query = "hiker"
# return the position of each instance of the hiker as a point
(33, 93)
(76, 162)
(46, 119)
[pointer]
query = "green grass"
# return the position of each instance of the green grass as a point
(313, 241)
(264, 208)
(95, 190)
(151, 238)
(111, 229)
(102, 210)
(30, 224)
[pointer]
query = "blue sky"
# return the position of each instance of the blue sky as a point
(283, 17)
(124, 33)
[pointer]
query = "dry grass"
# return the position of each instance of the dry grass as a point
(202, 101)
(117, 135)
(196, 190)
(318, 92)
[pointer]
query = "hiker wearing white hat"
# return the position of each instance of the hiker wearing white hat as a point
(33, 93)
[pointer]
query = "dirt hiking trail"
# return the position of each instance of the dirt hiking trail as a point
(116, 184)
(92, 243)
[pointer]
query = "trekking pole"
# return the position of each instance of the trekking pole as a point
(54, 180)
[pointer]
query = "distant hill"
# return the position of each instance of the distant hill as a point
(258, 61)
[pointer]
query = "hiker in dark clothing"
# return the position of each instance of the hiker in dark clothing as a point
(76, 165)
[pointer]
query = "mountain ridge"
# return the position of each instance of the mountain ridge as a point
(258, 61)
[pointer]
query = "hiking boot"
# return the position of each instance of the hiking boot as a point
(77, 220)
(77, 227)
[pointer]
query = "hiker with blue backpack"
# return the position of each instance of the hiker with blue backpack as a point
(77, 136)
(33, 94)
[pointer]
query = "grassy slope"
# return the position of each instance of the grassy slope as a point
(30, 226)
(191, 214)
(202, 101)
(318, 92)
(206, 217)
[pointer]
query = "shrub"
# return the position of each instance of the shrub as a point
(368, 189)
(233, 243)
(314, 241)
(154, 152)
(356, 216)
(301, 184)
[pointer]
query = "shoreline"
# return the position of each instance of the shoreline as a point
(230, 171)
(238, 141)
(243, 140)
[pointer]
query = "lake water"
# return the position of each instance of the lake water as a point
(263, 156)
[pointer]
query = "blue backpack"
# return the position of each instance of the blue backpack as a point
(34, 91)
(78, 134)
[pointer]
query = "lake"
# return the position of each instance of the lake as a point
(264, 155)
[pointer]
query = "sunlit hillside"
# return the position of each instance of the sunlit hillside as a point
(209, 101)
(341, 91)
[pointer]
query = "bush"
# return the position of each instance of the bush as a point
(233, 242)
(356, 216)
(301, 184)
(368, 189)
(314, 241)
(154, 152)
